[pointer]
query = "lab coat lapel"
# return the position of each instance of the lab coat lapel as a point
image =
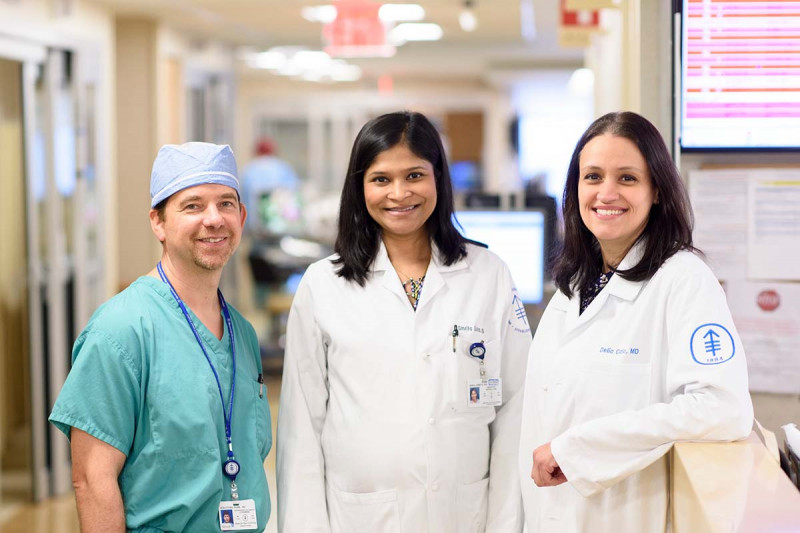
(617, 287)
(568, 306)
(383, 268)
(435, 277)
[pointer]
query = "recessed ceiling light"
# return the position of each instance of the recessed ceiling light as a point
(415, 31)
(401, 12)
(467, 20)
(324, 14)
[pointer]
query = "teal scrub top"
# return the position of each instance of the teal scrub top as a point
(141, 383)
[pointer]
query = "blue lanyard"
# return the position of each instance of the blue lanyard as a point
(229, 416)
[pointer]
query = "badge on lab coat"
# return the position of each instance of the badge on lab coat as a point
(482, 393)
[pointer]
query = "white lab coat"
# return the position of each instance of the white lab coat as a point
(375, 433)
(615, 387)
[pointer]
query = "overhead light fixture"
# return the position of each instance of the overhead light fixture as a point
(299, 62)
(311, 59)
(389, 13)
(324, 14)
(466, 19)
(527, 20)
(415, 31)
(401, 13)
(345, 72)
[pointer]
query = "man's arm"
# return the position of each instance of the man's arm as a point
(96, 466)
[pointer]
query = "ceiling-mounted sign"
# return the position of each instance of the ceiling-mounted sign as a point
(575, 5)
(357, 31)
(576, 26)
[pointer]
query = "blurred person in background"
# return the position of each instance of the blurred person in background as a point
(271, 190)
(384, 341)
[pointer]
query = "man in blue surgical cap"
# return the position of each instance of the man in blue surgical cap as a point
(164, 404)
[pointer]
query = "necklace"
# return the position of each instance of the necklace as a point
(595, 289)
(413, 287)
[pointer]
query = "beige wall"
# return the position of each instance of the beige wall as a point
(136, 82)
(14, 355)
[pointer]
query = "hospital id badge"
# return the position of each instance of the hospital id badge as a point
(237, 515)
(483, 393)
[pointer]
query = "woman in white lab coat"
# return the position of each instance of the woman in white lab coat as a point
(636, 350)
(376, 432)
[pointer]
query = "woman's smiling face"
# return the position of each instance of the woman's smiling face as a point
(400, 191)
(615, 194)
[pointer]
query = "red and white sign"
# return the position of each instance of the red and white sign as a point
(576, 26)
(768, 300)
(357, 31)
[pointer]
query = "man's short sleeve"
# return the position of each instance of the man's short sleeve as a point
(102, 393)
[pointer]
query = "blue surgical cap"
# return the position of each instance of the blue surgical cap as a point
(179, 167)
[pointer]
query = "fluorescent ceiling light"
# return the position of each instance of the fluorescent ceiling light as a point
(324, 14)
(387, 13)
(401, 12)
(311, 59)
(527, 20)
(415, 31)
(345, 72)
(267, 60)
(310, 65)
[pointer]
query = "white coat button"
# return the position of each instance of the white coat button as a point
(431, 421)
(435, 487)
(426, 355)
(544, 389)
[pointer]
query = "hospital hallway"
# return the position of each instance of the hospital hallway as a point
(91, 91)
(59, 515)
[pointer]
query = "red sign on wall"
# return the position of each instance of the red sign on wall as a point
(576, 26)
(580, 18)
(768, 300)
(357, 31)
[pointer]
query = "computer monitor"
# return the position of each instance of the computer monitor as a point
(465, 175)
(518, 238)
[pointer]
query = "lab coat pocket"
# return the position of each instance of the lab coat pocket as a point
(366, 512)
(607, 388)
(472, 506)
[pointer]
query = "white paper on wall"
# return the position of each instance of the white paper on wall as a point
(773, 225)
(767, 317)
(719, 200)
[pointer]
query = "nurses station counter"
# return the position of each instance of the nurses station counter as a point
(736, 486)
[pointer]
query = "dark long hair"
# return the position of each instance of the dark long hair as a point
(359, 235)
(669, 226)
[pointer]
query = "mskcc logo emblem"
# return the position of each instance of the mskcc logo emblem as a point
(712, 344)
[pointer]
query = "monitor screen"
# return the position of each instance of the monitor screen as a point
(518, 238)
(740, 73)
(465, 175)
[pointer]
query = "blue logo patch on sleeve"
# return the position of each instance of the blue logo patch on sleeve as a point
(519, 320)
(712, 344)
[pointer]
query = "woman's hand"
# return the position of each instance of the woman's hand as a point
(545, 471)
